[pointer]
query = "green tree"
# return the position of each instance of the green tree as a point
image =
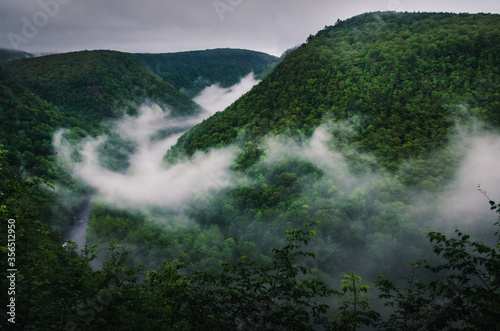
(354, 307)
(247, 296)
(466, 294)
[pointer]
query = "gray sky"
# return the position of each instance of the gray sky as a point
(155, 26)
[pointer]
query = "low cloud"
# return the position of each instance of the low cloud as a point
(215, 98)
(148, 181)
(398, 216)
(401, 215)
(464, 204)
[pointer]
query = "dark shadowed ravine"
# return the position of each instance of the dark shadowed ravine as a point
(78, 230)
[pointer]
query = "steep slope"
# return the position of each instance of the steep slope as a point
(96, 85)
(403, 77)
(26, 126)
(398, 82)
(76, 91)
(192, 71)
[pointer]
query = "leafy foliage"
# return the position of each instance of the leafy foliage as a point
(354, 308)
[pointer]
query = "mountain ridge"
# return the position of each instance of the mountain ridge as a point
(10, 54)
(191, 71)
(96, 85)
(384, 67)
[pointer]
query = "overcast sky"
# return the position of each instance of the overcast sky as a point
(270, 26)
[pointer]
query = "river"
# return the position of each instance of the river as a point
(77, 232)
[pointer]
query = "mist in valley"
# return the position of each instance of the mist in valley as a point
(374, 198)
(215, 98)
(355, 199)
(402, 214)
(148, 181)
(355, 187)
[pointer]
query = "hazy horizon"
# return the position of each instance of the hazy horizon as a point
(152, 26)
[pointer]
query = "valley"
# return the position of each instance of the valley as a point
(153, 131)
(232, 189)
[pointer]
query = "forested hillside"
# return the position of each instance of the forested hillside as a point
(338, 187)
(403, 76)
(192, 71)
(27, 125)
(96, 85)
(76, 91)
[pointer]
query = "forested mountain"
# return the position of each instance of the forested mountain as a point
(96, 85)
(402, 75)
(388, 91)
(76, 91)
(27, 125)
(334, 167)
(356, 129)
(192, 71)
(9, 54)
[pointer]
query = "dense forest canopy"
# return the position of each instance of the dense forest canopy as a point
(76, 91)
(354, 146)
(403, 75)
(192, 71)
(96, 85)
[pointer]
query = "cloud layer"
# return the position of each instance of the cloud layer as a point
(148, 182)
